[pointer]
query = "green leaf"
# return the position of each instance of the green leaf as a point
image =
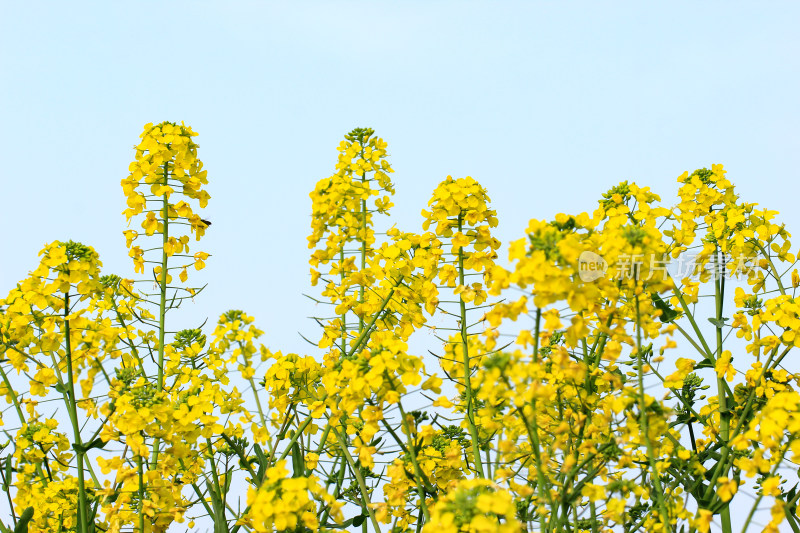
(719, 323)
(705, 363)
(358, 520)
(96, 443)
(297, 461)
(262, 459)
(7, 481)
(346, 523)
(668, 314)
(22, 523)
(83, 448)
(789, 496)
(262, 462)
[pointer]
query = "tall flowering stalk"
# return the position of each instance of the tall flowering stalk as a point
(188, 395)
(343, 209)
(367, 366)
(460, 211)
(166, 160)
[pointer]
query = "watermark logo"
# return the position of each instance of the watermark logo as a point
(591, 266)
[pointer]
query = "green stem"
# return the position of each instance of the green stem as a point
(473, 429)
(140, 509)
(244, 462)
(692, 321)
(691, 341)
(792, 523)
(593, 511)
(162, 306)
(362, 486)
(720, 465)
(297, 434)
(533, 432)
(643, 423)
(72, 407)
(363, 245)
(575, 518)
(258, 402)
(220, 522)
(417, 469)
(201, 498)
(339, 480)
(724, 412)
(255, 391)
(344, 315)
(362, 337)
(775, 274)
(678, 396)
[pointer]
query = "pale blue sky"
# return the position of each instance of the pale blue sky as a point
(547, 104)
